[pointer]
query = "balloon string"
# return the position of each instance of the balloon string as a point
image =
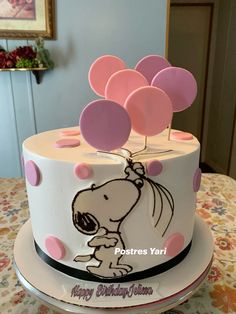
(153, 153)
(143, 149)
(127, 151)
(104, 153)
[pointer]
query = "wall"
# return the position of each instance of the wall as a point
(223, 99)
(85, 30)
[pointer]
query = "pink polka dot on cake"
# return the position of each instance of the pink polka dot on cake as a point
(83, 171)
(55, 247)
(184, 136)
(32, 173)
(67, 143)
(154, 167)
(70, 132)
(174, 244)
(197, 180)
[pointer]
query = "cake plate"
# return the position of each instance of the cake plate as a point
(69, 294)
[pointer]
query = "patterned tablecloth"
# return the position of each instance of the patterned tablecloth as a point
(216, 205)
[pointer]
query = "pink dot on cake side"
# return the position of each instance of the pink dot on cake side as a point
(174, 244)
(55, 247)
(83, 171)
(154, 167)
(32, 173)
(197, 180)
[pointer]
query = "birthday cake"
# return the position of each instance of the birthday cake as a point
(111, 204)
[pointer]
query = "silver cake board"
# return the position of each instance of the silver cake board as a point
(71, 295)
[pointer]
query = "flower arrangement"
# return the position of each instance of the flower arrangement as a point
(26, 57)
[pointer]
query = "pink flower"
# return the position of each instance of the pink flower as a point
(224, 298)
(25, 52)
(224, 244)
(6, 208)
(2, 59)
(4, 202)
(43, 309)
(6, 60)
(4, 261)
(208, 205)
(203, 213)
(214, 274)
(18, 297)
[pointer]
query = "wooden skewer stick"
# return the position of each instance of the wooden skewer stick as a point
(145, 142)
(169, 130)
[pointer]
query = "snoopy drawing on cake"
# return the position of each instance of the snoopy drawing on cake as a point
(100, 211)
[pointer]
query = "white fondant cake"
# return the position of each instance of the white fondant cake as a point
(111, 216)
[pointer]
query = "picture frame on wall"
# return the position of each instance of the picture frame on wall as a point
(27, 19)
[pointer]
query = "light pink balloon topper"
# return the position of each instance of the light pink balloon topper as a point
(150, 110)
(122, 83)
(179, 84)
(101, 70)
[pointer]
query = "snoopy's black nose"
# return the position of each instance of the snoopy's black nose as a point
(85, 223)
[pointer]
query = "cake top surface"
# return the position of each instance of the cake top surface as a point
(67, 145)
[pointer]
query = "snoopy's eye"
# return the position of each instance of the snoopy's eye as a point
(105, 196)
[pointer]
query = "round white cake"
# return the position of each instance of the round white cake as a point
(118, 216)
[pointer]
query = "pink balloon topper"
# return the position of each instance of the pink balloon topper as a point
(179, 84)
(122, 83)
(150, 65)
(105, 124)
(101, 70)
(150, 110)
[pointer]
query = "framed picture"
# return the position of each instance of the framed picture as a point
(27, 19)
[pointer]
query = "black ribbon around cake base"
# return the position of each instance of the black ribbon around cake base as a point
(84, 275)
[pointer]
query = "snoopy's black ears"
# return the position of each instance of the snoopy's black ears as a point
(85, 223)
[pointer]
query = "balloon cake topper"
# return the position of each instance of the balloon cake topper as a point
(149, 66)
(143, 99)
